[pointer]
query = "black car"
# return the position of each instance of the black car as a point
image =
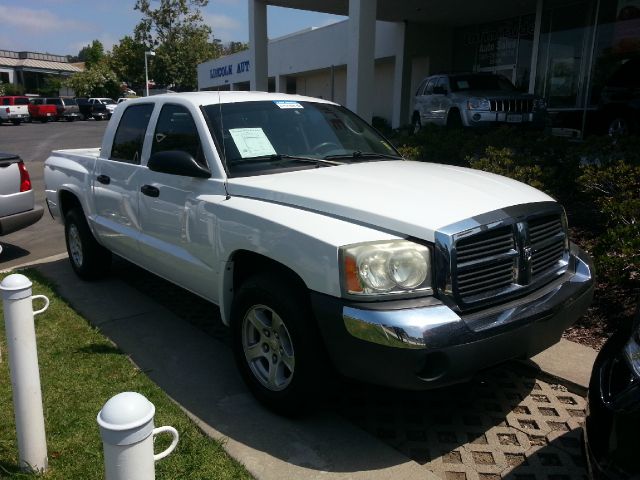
(613, 421)
(89, 110)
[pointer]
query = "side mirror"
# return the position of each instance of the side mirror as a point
(439, 90)
(177, 162)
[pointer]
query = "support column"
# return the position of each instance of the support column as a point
(281, 83)
(232, 87)
(536, 47)
(258, 44)
(360, 63)
(401, 80)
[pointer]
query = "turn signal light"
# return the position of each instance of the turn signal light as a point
(25, 180)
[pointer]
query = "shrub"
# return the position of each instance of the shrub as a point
(504, 161)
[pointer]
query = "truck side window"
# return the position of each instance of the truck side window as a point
(176, 130)
(129, 138)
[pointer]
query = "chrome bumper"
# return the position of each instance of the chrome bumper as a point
(438, 326)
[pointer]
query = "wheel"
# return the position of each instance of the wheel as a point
(44, 120)
(416, 123)
(97, 118)
(16, 122)
(276, 344)
(82, 117)
(454, 120)
(89, 259)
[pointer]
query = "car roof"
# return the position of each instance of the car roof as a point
(215, 97)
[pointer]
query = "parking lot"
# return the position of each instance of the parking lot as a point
(34, 142)
(510, 422)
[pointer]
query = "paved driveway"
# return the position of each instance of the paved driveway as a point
(34, 142)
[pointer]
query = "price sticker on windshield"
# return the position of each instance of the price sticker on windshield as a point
(251, 142)
(287, 104)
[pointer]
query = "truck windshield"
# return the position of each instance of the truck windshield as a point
(258, 137)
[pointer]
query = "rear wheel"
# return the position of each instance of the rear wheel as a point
(276, 345)
(88, 258)
(454, 120)
(16, 122)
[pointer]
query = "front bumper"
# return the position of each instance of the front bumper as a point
(479, 118)
(421, 343)
(11, 223)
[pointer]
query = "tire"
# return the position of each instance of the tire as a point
(44, 120)
(16, 122)
(454, 120)
(89, 259)
(416, 123)
(97, 119)
(618, 126)
(272, 320)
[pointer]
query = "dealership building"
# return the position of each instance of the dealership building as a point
(565, 51)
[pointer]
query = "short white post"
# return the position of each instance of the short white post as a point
(126, 427)
(25, 374)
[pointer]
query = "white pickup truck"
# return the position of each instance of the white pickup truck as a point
(323, 248)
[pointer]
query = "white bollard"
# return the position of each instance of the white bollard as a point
(25, 374)
(126, 427)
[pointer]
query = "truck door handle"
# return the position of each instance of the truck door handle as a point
(104, 179)
(150, 191)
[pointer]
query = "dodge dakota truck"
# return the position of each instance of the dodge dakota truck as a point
(325, 251)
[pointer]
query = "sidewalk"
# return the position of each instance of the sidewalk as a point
(199, 373)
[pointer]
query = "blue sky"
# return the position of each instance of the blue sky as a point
(63, 27)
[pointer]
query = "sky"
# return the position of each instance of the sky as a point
(63, 27)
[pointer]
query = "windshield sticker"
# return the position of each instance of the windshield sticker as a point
(287, 104)
(251, 142)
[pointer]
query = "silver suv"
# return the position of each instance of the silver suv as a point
(17, 204)
(475, 100)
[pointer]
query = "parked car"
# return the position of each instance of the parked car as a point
(613, 418)
(619, 106)
(475, 100)
(110, 104)
(321, 245)
(40, 110)
(14, 109)
(17, 202)
(97, 111)
(67, 108)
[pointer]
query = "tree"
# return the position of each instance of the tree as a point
(97, 81)
(234, 47)
(175, 30)
(127, 61)
(92, 54)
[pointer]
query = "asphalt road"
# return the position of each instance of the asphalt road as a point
(34, 142)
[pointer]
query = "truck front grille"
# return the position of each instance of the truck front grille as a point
(500, 260)
(512, 105)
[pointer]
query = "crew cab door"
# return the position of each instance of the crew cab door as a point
(178, 221)
(116, 184)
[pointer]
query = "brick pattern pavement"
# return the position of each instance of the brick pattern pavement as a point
(506, 423)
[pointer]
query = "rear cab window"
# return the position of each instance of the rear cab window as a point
(129, 138)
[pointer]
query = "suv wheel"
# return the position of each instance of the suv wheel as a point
(454, 120)
(618, 127)
(416, 123)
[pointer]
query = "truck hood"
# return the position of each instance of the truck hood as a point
(406, 197)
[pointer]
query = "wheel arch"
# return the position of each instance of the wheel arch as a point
(241, 265)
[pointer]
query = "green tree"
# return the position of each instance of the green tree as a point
(175, 30)
(97, 81)
(92, 54)
(127, 61)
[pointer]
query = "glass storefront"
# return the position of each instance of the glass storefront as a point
(588, 54)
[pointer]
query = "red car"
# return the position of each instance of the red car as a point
(40, 110)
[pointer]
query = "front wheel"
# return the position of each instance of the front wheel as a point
(16, 122)
(454, 120)
(89, 259)
(416, 123)
(276, 346)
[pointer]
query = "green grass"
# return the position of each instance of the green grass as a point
(80, 370)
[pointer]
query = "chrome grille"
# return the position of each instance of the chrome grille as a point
(512, 105)
(547, 238)
(495, 261)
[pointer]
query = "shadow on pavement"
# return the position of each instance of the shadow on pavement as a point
(9, 252)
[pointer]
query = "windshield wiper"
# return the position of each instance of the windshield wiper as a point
(282, 156)
(358, 154)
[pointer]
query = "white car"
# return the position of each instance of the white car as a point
(17, 205)
(324, 249)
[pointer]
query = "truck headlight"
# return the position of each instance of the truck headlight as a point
(388, 267)
(478, 104)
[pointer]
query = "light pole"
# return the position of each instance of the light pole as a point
(146, 69)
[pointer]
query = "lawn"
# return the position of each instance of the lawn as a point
(80, 370)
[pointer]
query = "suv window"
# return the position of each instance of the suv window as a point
(443, 83)
(420, 90)
(54, 101)
(430, 85)
(6, 101)
(129, 138)
(21, 101)
(176, 130)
